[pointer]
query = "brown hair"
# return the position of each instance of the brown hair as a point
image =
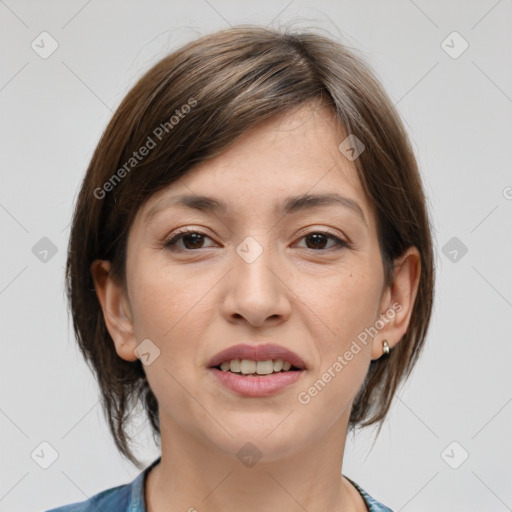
(200, 98)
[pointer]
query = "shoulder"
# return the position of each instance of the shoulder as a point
(122, 498)
(371, 503)
(115, 499)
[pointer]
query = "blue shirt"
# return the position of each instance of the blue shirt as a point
(130, 498)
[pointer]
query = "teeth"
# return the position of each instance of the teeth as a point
(247, 367)
(234, 365)
(264, 367)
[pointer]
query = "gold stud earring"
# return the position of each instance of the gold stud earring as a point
(385, 347)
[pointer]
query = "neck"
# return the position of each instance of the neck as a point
(194, 475)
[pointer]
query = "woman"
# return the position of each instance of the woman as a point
(251, 258)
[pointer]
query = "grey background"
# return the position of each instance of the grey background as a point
(458, 113)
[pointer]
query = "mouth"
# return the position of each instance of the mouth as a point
(256, 379)
(261, 359)
(257, 370)
(252, 368)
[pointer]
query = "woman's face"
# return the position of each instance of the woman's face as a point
(257, 274)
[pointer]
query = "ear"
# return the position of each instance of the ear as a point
(116, 309)
(398, 301)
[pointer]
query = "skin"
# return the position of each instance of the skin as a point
(310, 296)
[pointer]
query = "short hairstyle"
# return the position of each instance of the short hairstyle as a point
(199, 99)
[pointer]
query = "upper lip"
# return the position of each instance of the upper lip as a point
(257, 353)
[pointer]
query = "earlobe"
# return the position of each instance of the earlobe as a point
(116, 309)
(398, 302)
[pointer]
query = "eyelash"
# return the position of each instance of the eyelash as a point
(171, 243)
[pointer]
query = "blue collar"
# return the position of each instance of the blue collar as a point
(137, 501)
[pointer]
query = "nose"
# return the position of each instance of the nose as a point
(257, 290)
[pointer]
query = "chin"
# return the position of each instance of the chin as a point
(264, 443)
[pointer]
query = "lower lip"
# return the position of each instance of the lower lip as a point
(261, 385)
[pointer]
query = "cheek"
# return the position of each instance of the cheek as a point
(174, 310)
(164, 301)
(346, 302)
(343, 360)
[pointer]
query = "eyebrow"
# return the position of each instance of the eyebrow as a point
(290, 205)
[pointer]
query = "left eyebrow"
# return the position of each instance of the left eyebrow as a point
(290, 205)
(307, 201)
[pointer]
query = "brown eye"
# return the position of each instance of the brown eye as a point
(319, 239)
(192, 240)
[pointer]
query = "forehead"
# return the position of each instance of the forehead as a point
(294, 154)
